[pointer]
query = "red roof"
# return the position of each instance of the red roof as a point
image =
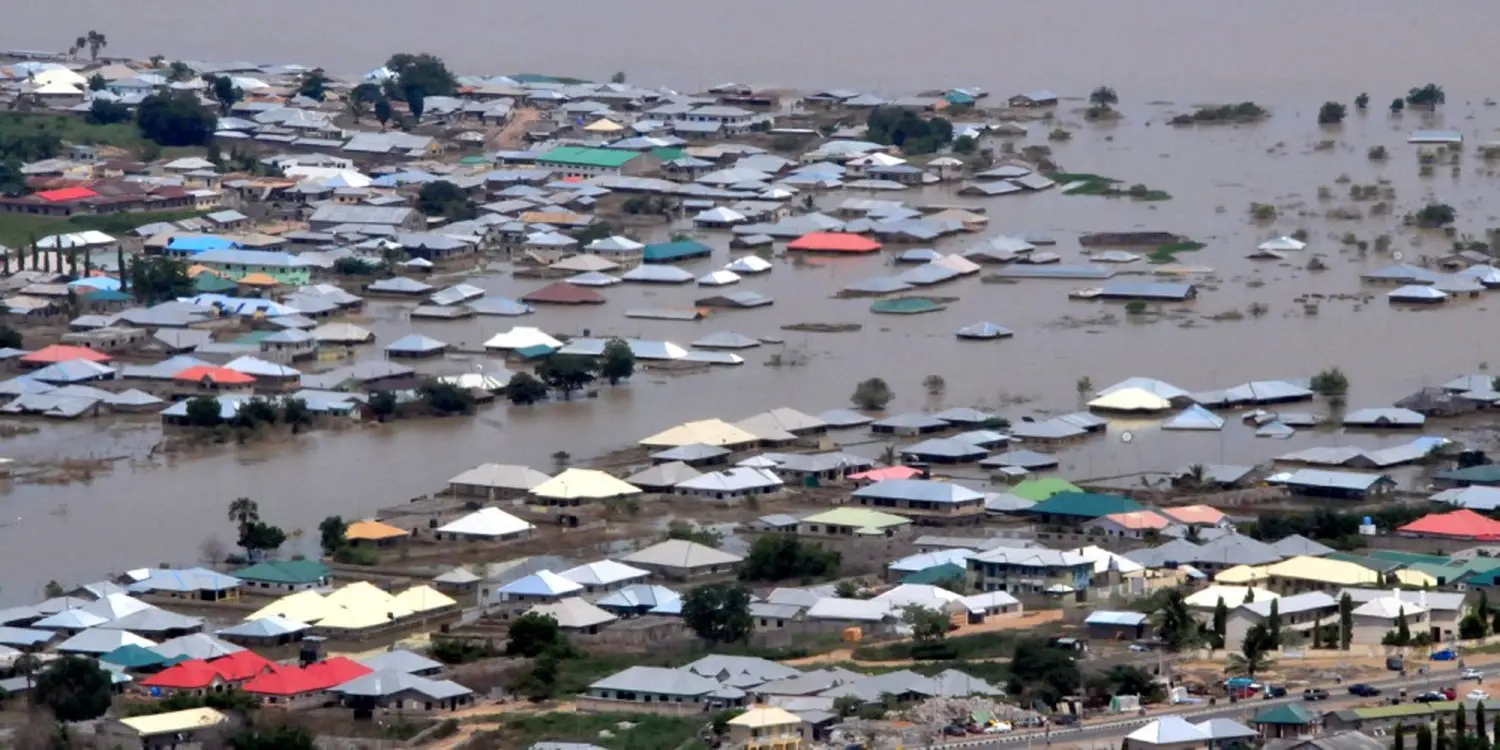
(63, 353)
(1463, 524)
(337, 671)
(312, 678)
(62, 195)
(189, 675)
(833, 242)
(563, 293)
(218, 375)
(242, 665)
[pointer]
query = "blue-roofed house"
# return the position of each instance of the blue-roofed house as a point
(188, 583)
(236, 264)
(1115, 626)
(186, 246)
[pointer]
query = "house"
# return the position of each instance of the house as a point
(188, 728)
(543, 586)
(1117, 626)
(731, 484)
(1342, 485)
(370, 533)
(1030, 571)
(767, 728)
(1077, 508)
(239, 265)
(679, 559)
(1376, 617)
(575, 615)
(390, 689)
(651, 689)
(1135, 524)
(1460, 525)
(924, 501)
(575, 161)
(1298, 613)
(496, 481)
(1038, 98)
(1286, 721)
(284, 576)
(1229, 551)
(488, 523)
(604, 575)
(188, 583)
(390, 219)
(1300, 574)
(852, 522)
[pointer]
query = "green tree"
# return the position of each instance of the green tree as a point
(525, 389)
(847, 589)
(106, 112)
(1174, 622)
(927, 625)
(13, 184)
(159, 278)
(243, 511)
(74, 688)
(314, 85)
(445, 199)
(618, 77)
(10, 338)
(1330, 382)
(95, 42)
(1434, 215)
(567, 372)
(261, 537)
(422, 75)
(445, 398)
(383, 111)
(97, 82)
(533, 633)
(294, 412)
(224, 92)
(53, 590)
(27, 665)
(1397, 105)
(1346, 621)
(1403, 630)
(1254, 655)
(1273, 624)
(872, 394)
(1221, 622)
(905, 129)
(383, 404)
(617, 362)
(780, 557)
(1424, 737)
(1429, 96)
(1039, 672)
(274, 738)
(175, 119)
(331, 534)
(1332, 113)
(679, 529)
(1473, 626)
(204, 411)
(416, 101)
(965, 145)
(541, 682)
(718, 612)
(1362, 102)
(1103, 97)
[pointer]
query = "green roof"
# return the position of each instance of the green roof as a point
(209, 282)
(131, 656)
(859, 518)
(1446, 574)
(1084, 505)
(668, 251)
(1485, 474)
(1410, 558)
(1286, 713)
(285, 571)
(1038, 490)
(587, 157)
(906, 306)
(1375, 564)
(535, 351)
(1405, 709)
(253, 338)
(936, 574)
(668, 154)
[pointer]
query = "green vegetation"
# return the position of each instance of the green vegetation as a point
(1397, 105)
(1263, 212)
(74, 688)
(313, 85)
(525, 389)
(255, 535)
(782, 557)
(1429, 96)
(1242, 112)
(331, 534)
(1174, 623)
(645, 732)
(445, 199)
(1135, 307)
(872, 394)
(1330, 382)
(1332, 113)
(445, 399)
(1362, 102)
(533, 634)
(347, 555)
(175, 120)
(908, 131)
(1039, 672)
(417, 77)
(618, 361)
(957, 648)
(1168, 253)
(455, 651)
(1435, 215)
(1085, 183)
(229, 700)
(1101, 102)
(1255, 653)
(718, 612)
(274, 738)
(1333, 528)
(568, 372)
(20, 230)
(679, 529)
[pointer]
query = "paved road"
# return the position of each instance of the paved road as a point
(1446, 674)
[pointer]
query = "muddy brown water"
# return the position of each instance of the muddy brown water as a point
(1289, 56)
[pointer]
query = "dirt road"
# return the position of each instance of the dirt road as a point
(513, 135)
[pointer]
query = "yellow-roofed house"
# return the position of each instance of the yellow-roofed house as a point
(1303, 574)
(373, 534)
(1242, 575)
(304, 606)
(426, 600)
(850, 522)
(191, 727)
(767, 728)
(578, 486)
(715, 432)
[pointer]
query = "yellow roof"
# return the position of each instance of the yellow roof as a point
(361, 605)
(860, 518)
(1131, 399)
(1233, 596)
(173, 722)
(424, 598)
(259, 279)
(372, 531)
(705, 432)
(584, 483)
(1408, 577)
(194, 270)
(765, 716)
(1336, 572)
(1242, 574)
(303, 606)
(604, 126)
(362, 595)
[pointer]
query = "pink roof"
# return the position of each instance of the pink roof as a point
(1462, 524)
(889, 472)
(63, 353)
(1194, 514)
(1138, 520)
(833, 242)
(219, 375)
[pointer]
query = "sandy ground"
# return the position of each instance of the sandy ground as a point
(846, 655)
(513, 135)
(467, 729)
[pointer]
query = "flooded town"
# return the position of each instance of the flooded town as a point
(425, 394)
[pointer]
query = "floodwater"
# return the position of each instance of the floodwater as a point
(1288, 56)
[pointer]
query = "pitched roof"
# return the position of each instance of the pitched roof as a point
(577, 483)
(1137, 520)
(1083, 504)
(603, 573)
(1461, 524)
(488, 522)
(541, 583)
(285, 571)
(372, 531)
(714, 432)
(681, 553)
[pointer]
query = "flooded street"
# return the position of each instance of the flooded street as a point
(1287, 56)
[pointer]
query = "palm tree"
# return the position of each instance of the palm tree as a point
(1254, 655)
(96, 41)
(244, 511)
(1174, 623)
(78, 46)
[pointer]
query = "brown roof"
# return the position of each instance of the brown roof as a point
(563, 293)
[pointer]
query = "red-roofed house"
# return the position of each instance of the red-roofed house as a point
(833, 242)
(293, 687)
(1460, 524)
(214, 378)
(1134, 524)
(194, 677)
(51, 355)
(338, 670)
(67, 194)
(1194, 515)
(244, 665)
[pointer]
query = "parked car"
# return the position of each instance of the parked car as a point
(1477, 694)
(954, 730)
(1431, 696)
(1275, 691)
(1395, 663)
(1471, 674)
(1315, 694)
(1446, 654)
(1364, 690)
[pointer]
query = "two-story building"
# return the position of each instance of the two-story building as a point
(1031, 571)
(286, 269)
(1299, 613)
(767, 728)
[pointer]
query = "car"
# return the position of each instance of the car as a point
(1275, 691)
(1139, 648)
(1446, 654)
(1065, 720)
(1395, 664)
(1364, 690)
(1477, 694)
(1431, 696)
(954, 730)
(1315, 694)
(1471, 674)
(999, 727)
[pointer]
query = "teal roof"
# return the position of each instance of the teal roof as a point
(131, 656)
(906, 306)
(1286, 713)
(208, 282)
(254, 338)
(107, 295)
(1375, 564)
(668, 154)
(1084, 505)
(1445, 574)
(285, 571)
(1410, 558)
(936, 574)
(1486, 474)
(587, 157)
(535, 351)
(679, 250)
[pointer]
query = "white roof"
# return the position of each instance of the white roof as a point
(603, 573)
(541, 583)
(1194, 417)
(1282, 243)
(1416, 291)
(1104, 560)
(584, 483)
(749, 264)
(834, 608)
(681, 553)
(504, 476)
(1233, 596)
(521, 337)
(1158, 387)
(731, 480)
(490, 522)
(574, 613)
(719, 278)
(1131, 399)
(1168, 730)
(1388, 608)
(918, 594)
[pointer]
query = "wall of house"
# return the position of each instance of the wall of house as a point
(593, 704)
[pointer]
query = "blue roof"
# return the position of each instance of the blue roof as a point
(667, 251)
(189, 244)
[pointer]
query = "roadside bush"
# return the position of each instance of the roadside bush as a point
(347, 555)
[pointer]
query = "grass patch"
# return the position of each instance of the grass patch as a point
(1168, 253)
(1087, 183)
(955, 648)
(18, 230)
(644, 732)
(73, 129)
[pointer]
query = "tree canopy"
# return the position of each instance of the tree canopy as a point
(75, 688)
(533, 634)
(525, 389)
(274, 738)
(314, 85)
(175, 119)
(780, 557)
(421, 75)
(1042, 673)
(445, 199)
(331, 534)
(718, 612)
(617, 362)
(1332, 113)
(872, 394)
(204, 411)
(908, 131)
(445, 398)
(1429, 96)
(106, 112)
(1174, 622)
(568, 372)
(224, 92)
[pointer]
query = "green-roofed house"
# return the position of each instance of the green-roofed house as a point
(1037, 490)
(851, 522)
(1379, 717)
(938, 574)
(1486, 475)
(1075, 508)
(672, 252)
(1408, 558)
(212, 283)
(133, 657)
(577, 161)
(1285, 720)
(284, 576)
